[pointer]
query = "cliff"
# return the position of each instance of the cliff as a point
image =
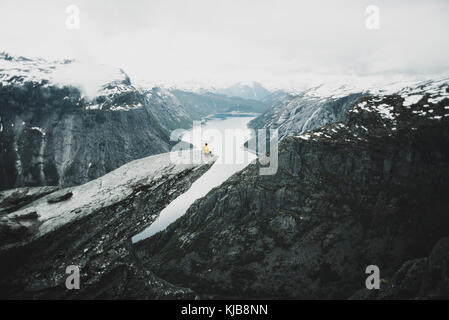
(368, 190)
(89, 226)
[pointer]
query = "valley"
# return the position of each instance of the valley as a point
(93, 180)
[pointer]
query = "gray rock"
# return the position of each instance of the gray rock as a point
(60, 196)
(11, 228)
(15, 199)
(93, 231)
(27, 215)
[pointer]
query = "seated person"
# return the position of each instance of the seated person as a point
(206, 149)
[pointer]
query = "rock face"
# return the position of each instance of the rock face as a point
(296, 113)
(51, 133)
(293, 114)
(91, 229)
(56, 130)
(422, 278)
(369, 190)
(13, 200)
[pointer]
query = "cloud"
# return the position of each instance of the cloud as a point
(228, 41)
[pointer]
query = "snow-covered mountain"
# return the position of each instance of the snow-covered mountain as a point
(251, 90)
(64, 123)
(297, 113)
(92, 80)
(384, 112)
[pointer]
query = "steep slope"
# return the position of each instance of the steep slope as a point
(273, 97)
(370, 189)
(169, 111)
(51, 133)
(89, 226)
(294, 113)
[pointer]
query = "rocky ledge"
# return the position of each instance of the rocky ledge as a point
(42, 231)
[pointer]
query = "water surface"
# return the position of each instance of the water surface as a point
(225, 135)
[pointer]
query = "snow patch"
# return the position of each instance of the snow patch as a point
(89, 78)
(116, 185)
(385, 111)
(38, 129)
(93, 107)
(412, 99)
(304, 137)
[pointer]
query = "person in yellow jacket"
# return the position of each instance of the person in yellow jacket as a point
(206, 149)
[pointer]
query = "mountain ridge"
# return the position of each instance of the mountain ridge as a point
(53, 133)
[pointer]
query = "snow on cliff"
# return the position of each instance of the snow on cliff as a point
(77, 202)
(91, 79)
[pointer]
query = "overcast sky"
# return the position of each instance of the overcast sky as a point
(274, 42)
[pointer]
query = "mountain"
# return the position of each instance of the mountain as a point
(44, 230)
(253, 90)
(298, 112)
(361, 180)
(294, 113)
(208, 103)
(53, 133)
(368, 189)
(273, 97)
(65, 123)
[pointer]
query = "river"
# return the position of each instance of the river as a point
(225, 135)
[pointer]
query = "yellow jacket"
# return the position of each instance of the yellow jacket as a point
(206, 150)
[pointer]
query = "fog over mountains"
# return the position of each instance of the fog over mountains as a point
(60, 126)
(361, 177)
(106, 180)
(252, 90)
